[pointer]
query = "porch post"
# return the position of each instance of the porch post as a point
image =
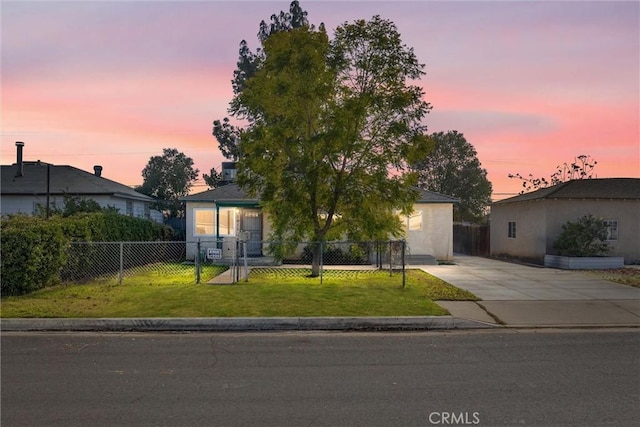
(218, 245)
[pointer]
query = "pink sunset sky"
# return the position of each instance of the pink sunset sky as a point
(530, 84)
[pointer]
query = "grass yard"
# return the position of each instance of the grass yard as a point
(627, 276)
(268, 293)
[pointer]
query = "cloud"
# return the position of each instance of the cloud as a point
(530, 84)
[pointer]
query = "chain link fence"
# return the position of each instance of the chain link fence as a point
(301, 259)
(108, 260)
(202, 261)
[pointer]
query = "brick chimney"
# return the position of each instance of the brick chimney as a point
(19, 161)
(97, 170)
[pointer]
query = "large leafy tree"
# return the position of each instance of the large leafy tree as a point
(332, 127)
(228, 135)
(453, 168)
(168, 178)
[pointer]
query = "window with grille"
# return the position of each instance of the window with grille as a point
(612, 229)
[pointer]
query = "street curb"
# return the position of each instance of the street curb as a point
(239, 324)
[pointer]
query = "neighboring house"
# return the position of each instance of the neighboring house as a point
(221, 214)
(527, 225)
(26, 185)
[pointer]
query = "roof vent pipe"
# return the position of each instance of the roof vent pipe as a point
(97, 170)
(19, 162)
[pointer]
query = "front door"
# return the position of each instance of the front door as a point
(251, 221)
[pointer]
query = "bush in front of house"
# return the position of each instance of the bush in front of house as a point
(584, 238)
(35, 250)
(33, 253)
(338, 254)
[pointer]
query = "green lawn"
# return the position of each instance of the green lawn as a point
(266, 294)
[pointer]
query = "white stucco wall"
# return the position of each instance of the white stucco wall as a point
(436, 236)
(26, 204)
(206, 241)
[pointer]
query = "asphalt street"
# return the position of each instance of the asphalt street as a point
(489, 377)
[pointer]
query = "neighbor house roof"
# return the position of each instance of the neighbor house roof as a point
(426, 196)
(231, 194)
(604, 188)
(63, 180)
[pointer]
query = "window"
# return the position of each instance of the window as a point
(512, 229)
(612, 229)
(129, 207)
(414, 221)
(227, 221)
(205, 222)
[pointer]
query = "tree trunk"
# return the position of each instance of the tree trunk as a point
(315, 259)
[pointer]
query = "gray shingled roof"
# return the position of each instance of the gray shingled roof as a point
(225, 193)
(604, 188)
(63, 180)
(233, 193)
(427, 196)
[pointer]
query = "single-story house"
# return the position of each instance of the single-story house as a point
(526, 226)
(27, 185)
(221, 214)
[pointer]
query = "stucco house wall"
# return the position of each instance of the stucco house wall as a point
(625, 212)
(435, 237)
(539, 217)
(13, 204)
(210, 240)
(531, 230)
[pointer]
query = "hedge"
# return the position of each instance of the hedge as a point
(34, 250)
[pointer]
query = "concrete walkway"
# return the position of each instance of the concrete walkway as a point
(520, 295)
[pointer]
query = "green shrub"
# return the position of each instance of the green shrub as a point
(33, 253)
(34, 250)
(338, 254)
(583, 238)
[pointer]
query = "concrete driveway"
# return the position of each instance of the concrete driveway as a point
(520, 295)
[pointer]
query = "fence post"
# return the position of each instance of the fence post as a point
(198, 248)
(404, 273)
(321, 261)
(121, 273)
(390, 258)
(236, 256)
(246, 261)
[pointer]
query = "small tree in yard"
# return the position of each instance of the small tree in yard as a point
(583, 238)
